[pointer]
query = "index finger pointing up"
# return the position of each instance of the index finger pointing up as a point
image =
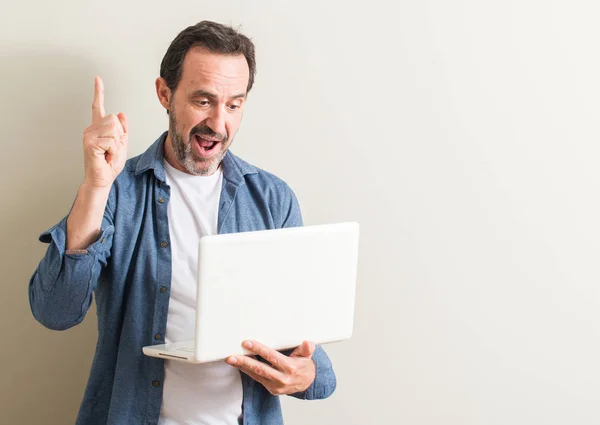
(98, 103)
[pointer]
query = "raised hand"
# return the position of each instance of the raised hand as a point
(104, 143)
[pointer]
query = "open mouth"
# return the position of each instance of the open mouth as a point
(205, 145)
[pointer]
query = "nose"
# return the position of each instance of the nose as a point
(216, 121)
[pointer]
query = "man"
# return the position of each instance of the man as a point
(131, 239)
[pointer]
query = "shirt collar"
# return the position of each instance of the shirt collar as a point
(234, 168)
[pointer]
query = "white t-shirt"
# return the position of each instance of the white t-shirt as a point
(204, 394)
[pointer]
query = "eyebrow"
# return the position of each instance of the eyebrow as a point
(204, 93)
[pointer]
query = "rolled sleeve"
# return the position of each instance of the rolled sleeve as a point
(60, 290)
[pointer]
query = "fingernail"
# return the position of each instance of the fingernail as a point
(247, 344)
(232, 360)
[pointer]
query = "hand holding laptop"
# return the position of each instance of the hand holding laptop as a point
(284, 375)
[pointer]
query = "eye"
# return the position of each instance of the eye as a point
(235, 106)
(202, 102)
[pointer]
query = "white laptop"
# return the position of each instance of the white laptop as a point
(278, 287)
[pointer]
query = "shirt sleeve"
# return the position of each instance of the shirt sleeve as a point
(60, 290)
(325, 381)
(291, 215)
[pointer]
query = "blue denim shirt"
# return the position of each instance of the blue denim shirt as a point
(128, 269)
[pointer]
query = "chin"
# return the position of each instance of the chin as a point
(203, 168)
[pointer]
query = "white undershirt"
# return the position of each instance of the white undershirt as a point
(205, 394)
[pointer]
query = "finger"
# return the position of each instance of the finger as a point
(124, 123)
(306, 349)
(269, 385)
(110, 126)
(265, 383)
(249, 365)
(254, 376)
(278, 360)
(98, 102)
(106, 145)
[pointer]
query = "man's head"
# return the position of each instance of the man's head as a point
(205, 78)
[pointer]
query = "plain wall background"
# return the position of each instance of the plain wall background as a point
(462, 135)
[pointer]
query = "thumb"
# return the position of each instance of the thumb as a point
(306, 349)
(123, 119)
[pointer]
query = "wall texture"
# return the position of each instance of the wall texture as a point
(462, 135)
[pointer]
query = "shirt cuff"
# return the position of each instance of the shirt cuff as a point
(57, 235)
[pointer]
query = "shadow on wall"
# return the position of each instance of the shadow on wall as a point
(44, 108)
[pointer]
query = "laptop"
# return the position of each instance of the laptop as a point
(278, 287)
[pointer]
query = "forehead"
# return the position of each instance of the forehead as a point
(223, 74)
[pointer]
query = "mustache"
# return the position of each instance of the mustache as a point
(204, 130)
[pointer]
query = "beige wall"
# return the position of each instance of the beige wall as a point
(462, 135)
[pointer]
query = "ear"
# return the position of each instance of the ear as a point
(163, 92)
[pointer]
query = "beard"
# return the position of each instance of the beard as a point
(185, 152)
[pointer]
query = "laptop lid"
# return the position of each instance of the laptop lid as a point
(279, 287)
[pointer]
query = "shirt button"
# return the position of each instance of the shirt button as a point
(161, 200)
(158, 337)
(163, 244)
(155, 384)
(163, 289)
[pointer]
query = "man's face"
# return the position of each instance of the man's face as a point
(205, 110)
